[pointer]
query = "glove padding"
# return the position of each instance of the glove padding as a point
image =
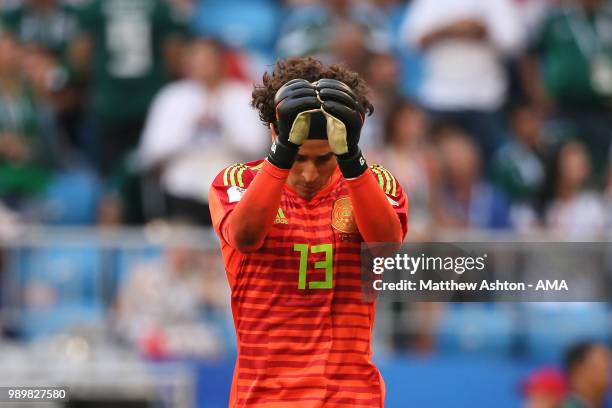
(344, 116)
(294, 102)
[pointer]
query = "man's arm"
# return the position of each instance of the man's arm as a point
(533, 83)
(173, 23)
(464, 29)
(248, 224)
(428, 22)
(506, 31)
(80, 53)
(375, 216)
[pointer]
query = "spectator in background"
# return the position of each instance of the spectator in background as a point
(532, 14)
(574, 209)
(465, 44)
(51, 84)
(408, 154)
(49, 24)
(587, 367)
(518, 166)
(382, 75)
(196, 126)
(10, 224)
(24, 160)
(47, 28)
(348, 45)
(569, 74)
(352, 45)
(160, 307)
(466, 199)
(544, 388)
(608, 195)
(7, 5)
(126, 47)
(346, 28)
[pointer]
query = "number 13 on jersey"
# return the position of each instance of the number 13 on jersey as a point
(326, 264)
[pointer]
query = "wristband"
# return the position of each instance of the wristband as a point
(352, 166)
(283, 155)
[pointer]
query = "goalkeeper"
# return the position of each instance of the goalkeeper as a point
(290, 228)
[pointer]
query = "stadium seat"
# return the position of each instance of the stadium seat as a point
(71, 198)
(550, 328)
(243, 24)
(410, 60)
(477, 328)
(126, 259)
(452, 381)
(62, 287)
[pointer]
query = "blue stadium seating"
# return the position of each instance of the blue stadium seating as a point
(126, 259)
(62, 287)
(240, 23)
(550, 328)
(410, 60)
(476, 328)
(72, 198)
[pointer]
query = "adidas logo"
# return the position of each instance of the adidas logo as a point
(280, 217)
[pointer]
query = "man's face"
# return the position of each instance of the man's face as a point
(591, 5)
(9, 54)
(313, 168)
(597, 367)
(204, 62)
(542, 400)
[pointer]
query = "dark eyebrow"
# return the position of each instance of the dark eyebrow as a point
(325, 156)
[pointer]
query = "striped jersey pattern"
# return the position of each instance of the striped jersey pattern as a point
(303, 328)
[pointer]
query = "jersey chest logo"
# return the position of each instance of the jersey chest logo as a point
(280, 217)
(342, 216)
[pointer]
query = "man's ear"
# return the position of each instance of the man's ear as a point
(272, 132)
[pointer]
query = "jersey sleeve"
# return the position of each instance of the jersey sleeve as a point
(227, 190)
(395, 194)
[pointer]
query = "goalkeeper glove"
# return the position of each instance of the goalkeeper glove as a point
(294, 102)
(344, 116)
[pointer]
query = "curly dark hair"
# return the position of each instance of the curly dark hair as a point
(311, 70)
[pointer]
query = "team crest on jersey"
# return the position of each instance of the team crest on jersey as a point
(342, 216)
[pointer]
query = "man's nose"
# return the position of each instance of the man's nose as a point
(310, 172)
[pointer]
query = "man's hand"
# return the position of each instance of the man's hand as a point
(294, 103)
(344, 117)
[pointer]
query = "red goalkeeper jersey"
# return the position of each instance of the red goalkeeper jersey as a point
(304, 331)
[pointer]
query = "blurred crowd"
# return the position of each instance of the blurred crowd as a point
(491, 114)
(583, 382)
